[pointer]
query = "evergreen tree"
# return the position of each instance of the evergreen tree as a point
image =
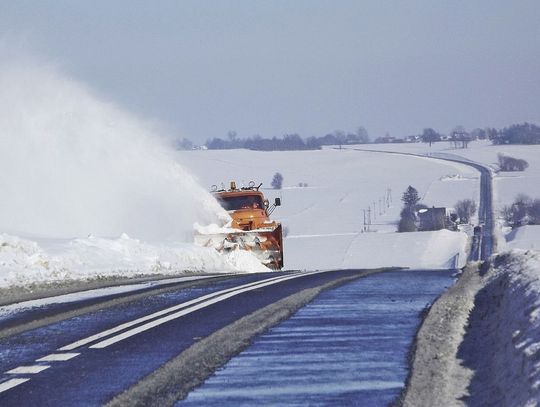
(410, 197)
(407, 223)
(277, 181)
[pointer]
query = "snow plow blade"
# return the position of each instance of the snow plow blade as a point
(265, 243)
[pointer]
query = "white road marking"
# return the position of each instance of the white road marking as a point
(201, 302)
(129, 324)
(323, 235)
(58, 357)
(94, 293)
(28, 369)
(9, 384)
(150, 325)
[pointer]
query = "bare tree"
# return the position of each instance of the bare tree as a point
(430, 136)
(465, 209)
(507, 163)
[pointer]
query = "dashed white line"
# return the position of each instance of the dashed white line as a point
(58, 357)
(11, 383)
(34, 369)
(95, 293)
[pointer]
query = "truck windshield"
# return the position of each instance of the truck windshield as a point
(232, 203)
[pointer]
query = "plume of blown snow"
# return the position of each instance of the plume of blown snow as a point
(73, 164)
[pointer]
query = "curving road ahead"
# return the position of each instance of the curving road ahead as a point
(484, 242)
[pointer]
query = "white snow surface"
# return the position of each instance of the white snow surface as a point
(524, 237)
(24, 262)
(510, 354)
(324, 220)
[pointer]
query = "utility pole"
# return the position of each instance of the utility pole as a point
(364, 227)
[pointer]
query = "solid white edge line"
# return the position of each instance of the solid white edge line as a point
(152, 324)
(34, 369)
(129, 324)
(98, 293)
(11, 383)
(57, 357)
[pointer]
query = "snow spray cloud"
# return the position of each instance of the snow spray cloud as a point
(73, 165)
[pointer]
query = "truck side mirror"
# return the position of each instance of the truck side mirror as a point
(277, 202)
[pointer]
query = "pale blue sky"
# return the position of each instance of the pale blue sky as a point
(310, 67)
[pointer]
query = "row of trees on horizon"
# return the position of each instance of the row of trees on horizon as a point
(525, 133)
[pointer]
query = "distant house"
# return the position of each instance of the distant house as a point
(432, 219)
(385, 139)
(413, 139)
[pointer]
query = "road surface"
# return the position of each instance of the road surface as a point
(88, 351)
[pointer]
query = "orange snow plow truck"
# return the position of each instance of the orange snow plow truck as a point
(251, 227)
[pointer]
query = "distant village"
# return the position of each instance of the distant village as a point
(525, 133)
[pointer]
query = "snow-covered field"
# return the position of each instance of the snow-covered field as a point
(507, 185)
(324, 220)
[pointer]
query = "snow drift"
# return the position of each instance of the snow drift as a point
(24, 262)
(502, 344)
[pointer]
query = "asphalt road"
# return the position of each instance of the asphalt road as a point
(348, 347)
(483, 244)
(88, 357)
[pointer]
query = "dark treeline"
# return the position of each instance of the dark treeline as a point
(288, 141)
(526, 133)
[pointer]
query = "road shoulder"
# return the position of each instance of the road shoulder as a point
(437, 376)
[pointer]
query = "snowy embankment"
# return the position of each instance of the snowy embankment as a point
(420, 250)
(506, 333)
(524, 237)
(25, 262)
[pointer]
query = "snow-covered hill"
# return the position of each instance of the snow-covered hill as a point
(325, 219)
